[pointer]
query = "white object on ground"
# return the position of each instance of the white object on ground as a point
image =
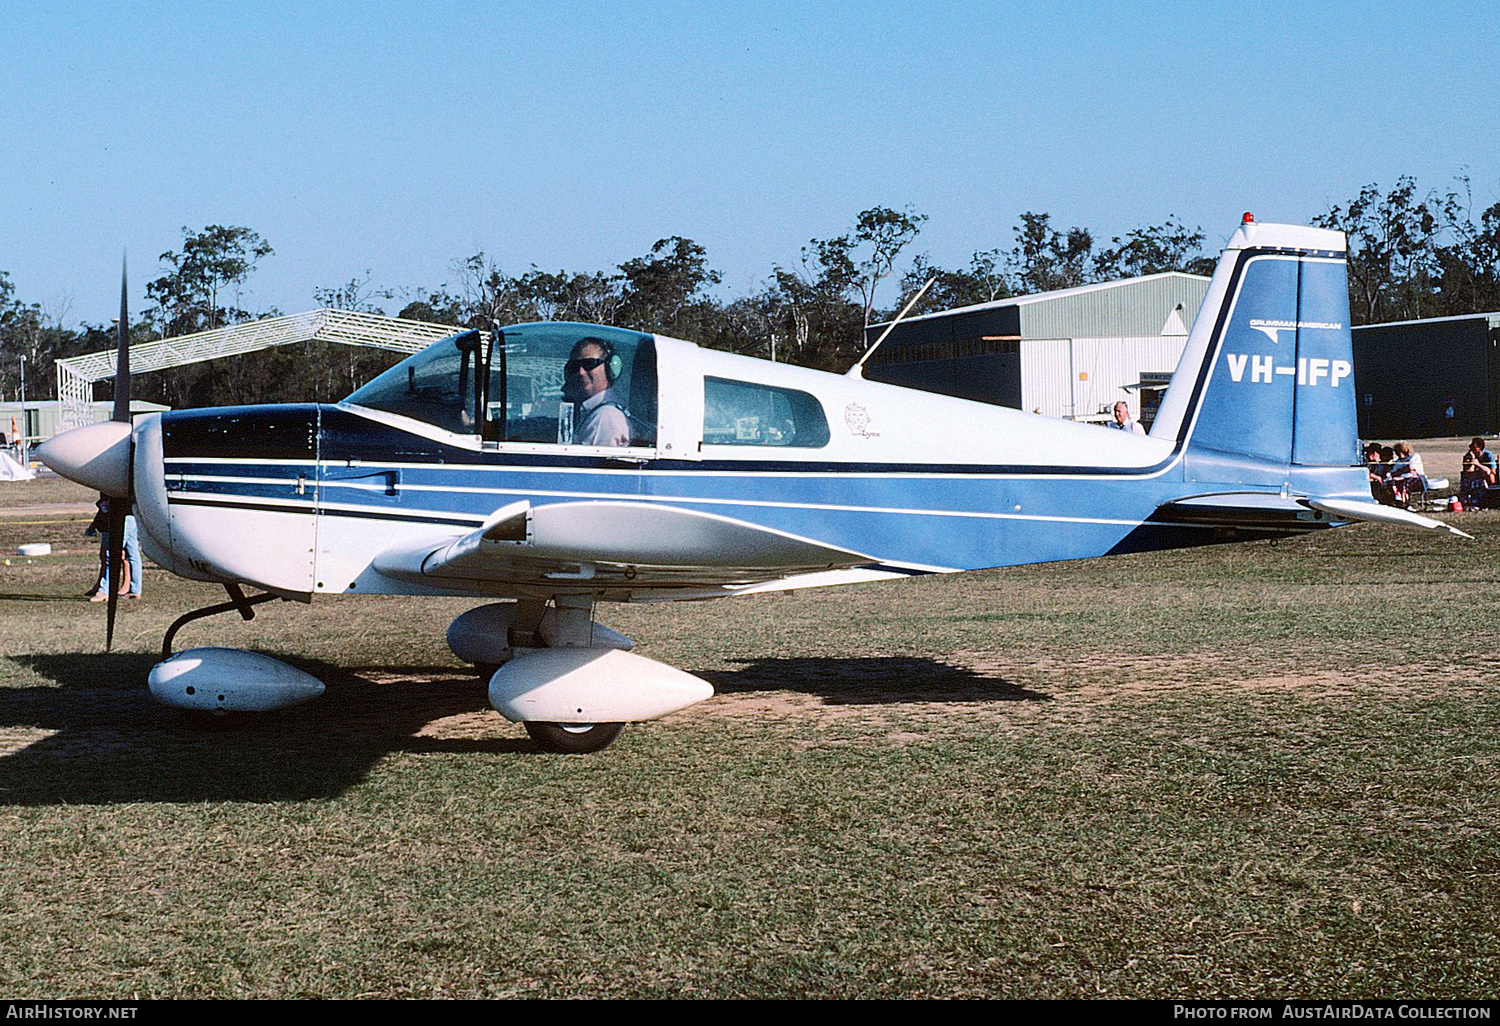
(10, 470)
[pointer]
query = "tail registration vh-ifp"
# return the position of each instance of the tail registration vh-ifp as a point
(551, 467)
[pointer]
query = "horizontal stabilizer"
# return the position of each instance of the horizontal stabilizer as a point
(1356, 510)
(1247, 510)
(1271, 510)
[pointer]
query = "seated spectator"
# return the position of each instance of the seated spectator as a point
(1478, 477)
(1406, 475)
(1378, 471)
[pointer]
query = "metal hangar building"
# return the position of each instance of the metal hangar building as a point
(1407, 374)
(1072, 353)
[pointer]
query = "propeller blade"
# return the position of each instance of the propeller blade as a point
(118, 509)
(119, 506)
(122, 356)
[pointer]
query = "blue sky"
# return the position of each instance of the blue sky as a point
(398, 137)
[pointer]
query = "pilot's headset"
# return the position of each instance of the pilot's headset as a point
(613, 364)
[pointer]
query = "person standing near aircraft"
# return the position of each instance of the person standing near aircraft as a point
(130, 585)
(1122, 421)
(588, 377)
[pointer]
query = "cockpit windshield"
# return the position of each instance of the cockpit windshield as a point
(437, 386)
(553, 382)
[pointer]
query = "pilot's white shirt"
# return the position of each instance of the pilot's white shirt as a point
(601, 421)
(1129, 427)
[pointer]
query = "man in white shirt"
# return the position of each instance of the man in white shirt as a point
(591, 369)
(1122, 421)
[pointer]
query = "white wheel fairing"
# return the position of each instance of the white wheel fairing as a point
(591, 686)
(227, 680)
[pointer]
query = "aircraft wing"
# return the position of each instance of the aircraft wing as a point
(612, 544)
(1252, 510)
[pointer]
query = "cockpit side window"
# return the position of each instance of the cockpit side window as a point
(748, 413)
(572, 384)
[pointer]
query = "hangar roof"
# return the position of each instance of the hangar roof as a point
(1111, 309)
(349, 327)
(1493, 318)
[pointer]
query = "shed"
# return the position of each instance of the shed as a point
(40, 419)
(1407, 374)
(1070, 353)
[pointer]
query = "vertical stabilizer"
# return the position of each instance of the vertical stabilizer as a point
(1266, 381)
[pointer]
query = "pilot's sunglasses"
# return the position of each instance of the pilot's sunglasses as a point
(587, 363)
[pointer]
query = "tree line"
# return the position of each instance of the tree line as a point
(1411, 254)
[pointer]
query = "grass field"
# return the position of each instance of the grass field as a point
(1264, 770)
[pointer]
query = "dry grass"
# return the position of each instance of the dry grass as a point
(1249, 771)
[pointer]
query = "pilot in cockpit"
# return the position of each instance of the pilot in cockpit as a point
(588, 377)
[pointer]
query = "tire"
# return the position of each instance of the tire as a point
(574, 738)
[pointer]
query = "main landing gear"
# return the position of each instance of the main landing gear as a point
(572, 682)
(574, 738)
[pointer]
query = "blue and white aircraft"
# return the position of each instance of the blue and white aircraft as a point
(556, 466)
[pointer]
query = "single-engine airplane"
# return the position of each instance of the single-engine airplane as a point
(555, 466)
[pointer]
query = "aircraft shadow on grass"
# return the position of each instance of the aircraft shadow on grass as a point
(108, 741)
(880, 680)
(99, 738)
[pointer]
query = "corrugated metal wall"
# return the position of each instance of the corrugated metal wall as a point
(1075, 350)
(46, 415)
(1078, 377)
(1405, 374)
(1134, 308)
(988, 378)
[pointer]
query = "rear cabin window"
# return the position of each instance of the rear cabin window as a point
(744, 413)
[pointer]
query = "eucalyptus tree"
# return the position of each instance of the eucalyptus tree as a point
(1152, 249)
(212, 261)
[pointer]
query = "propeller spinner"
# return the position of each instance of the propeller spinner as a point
(99, 456)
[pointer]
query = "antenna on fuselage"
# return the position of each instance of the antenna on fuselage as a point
(858, 370)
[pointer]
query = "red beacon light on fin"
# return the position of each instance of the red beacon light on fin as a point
(1248, 218)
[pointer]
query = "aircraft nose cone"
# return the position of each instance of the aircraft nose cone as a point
(97, 456)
